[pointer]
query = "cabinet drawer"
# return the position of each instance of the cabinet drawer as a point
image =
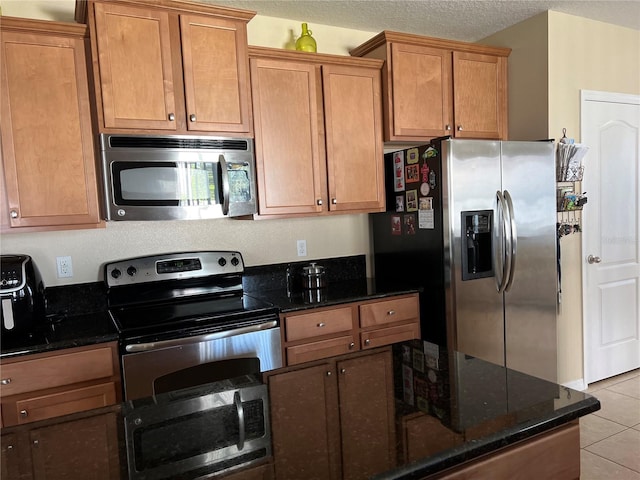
(63, 403)
(389, 335)
(314, 324)
(389, 311)
(322, 349)
(55, 371)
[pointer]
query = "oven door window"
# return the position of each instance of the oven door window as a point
(166, 183)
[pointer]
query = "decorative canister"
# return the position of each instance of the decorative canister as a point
(313, 276)
(306, 43)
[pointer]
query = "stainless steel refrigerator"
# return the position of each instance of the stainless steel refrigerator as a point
(473, 224)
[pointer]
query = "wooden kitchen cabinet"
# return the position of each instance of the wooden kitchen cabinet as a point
(341, 398)
(329, 331)
(42, 386)
(85, 446)
(48, 158)
(434, 87)
(170, 66)
(318, 121)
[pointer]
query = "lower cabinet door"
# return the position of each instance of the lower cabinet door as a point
(367, 422)
(84, 448)
(304, 424)
(10, 463)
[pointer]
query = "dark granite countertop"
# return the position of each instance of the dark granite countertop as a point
(484, 406)
(335, 293)
(61, 331)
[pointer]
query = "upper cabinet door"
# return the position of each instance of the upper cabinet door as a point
(480, 95)
(135, 65)
(47, 140)
(421, 86)
(353, 123)
(287, 108)
(216, 72)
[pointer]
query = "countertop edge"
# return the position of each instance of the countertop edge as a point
(492, 443)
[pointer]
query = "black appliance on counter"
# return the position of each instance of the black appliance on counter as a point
(22, 295)
(184, 320)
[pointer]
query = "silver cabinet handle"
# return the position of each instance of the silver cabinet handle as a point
(367, 342)
(14, 214)
(192, 117)
(334, 201)
(172, 117)
(343, 371)
(351, 345)
(328, 374)
(5, 381)
(319, 201)
(321, 324)
(459, 128)
(36, 443)
(593, 259)
(391, 312)
(447, 127)
(240, 410)
(24, 413)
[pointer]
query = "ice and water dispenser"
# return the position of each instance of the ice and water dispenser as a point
(477, 244)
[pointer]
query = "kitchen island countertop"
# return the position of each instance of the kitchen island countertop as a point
(483, 406)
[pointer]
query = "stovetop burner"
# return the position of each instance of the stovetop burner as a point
(180, 292)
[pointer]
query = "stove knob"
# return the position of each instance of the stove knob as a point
(132, 271)
(235, 261)
(222, 261)
(115, 273)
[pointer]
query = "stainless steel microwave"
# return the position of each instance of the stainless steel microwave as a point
(177, 177)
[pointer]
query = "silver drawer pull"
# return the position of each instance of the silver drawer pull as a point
(5, 381)
(328, 374)
(391, 312)
(367, 342)
(24, 413)
(321, 324)
(351, 345)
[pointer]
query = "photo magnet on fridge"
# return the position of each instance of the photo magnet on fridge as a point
(398, 171)
(412, 156)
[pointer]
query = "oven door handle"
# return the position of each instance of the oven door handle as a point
(145, 347)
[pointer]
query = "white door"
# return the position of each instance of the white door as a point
(611, 238)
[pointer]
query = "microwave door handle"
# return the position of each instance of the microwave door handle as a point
(241, 433)
(224, 175)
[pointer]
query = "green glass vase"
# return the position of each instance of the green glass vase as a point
(306, 43)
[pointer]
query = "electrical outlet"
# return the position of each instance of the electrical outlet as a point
(302, 248)
(65, 267)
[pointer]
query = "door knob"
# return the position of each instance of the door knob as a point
(593, 259)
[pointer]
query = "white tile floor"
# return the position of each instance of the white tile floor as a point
(610, 437)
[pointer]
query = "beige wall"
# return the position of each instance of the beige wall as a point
(554, 57)
(261, 242)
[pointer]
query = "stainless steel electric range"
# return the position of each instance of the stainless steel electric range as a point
(184, 320)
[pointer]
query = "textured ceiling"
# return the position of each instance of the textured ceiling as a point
(466, 20)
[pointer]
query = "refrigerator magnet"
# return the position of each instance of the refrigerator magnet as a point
(398, 171)
(412, 156)
(412, 200)
(424, 172)
(426, 219)
(412, 174)
(425, 203)
(410, 224)
(425, 189)
(399, 203)
(396, 225)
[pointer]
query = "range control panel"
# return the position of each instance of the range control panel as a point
(173, 266)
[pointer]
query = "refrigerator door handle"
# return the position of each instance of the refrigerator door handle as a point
(514, 240)
(505, 252)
